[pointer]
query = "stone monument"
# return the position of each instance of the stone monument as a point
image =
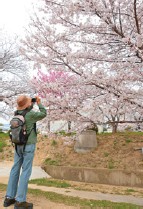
(86, 142)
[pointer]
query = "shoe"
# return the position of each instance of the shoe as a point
(8, 202)
(24, 205)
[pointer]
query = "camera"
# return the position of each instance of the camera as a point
(33, 100)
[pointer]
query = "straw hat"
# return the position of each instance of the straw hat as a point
(23, 102)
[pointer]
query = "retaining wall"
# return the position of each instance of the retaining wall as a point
(98, 176)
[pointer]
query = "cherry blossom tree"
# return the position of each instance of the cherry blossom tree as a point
(100, 42)
(69, 101)
(115, 111)
(61, 93)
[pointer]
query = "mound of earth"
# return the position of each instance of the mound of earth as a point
(114, 151)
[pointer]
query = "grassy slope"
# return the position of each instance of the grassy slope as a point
(113, 151)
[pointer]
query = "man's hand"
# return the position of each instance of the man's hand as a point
(38, 100)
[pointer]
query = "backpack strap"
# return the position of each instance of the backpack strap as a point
(35, 128)
(16, 150)
(15, 112)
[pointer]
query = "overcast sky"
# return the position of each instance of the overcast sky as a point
(14, 15)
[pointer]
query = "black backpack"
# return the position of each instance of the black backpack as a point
(18, 133)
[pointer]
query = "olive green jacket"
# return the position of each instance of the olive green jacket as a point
(30, 119)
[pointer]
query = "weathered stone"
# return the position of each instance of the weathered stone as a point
(86, 142)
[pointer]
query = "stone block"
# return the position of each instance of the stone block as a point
(86, 142)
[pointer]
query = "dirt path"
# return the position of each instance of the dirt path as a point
(91, 195)
(81, 194)
(43, 203)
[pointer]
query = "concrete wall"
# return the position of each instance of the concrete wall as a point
(98, 176)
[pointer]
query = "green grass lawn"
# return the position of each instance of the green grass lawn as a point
(50, 183)
(3, 138)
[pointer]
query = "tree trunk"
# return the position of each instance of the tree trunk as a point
(114, 127)
(69, 125)
(49, 126)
